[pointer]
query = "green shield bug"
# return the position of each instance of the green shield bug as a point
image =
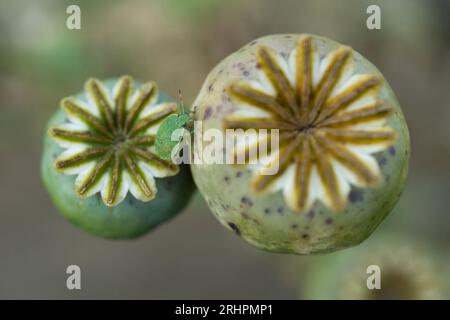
(166, 137)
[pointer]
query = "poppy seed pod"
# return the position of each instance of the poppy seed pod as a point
(342, 152)
(99, 163)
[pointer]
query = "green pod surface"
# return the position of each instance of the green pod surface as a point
(298, 217)
(127, 217)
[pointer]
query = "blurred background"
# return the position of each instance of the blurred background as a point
(177, 42)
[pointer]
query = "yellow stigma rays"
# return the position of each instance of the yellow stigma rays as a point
(330, 118)
(109, 141)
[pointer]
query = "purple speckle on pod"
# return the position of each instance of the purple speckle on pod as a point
(382, 161)
(392, 151)
(355, 195)
(246, 201)
(235, 228)
(208, 113)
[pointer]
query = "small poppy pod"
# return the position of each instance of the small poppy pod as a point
(99, 163)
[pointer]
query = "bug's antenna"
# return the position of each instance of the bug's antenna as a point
(180, 99)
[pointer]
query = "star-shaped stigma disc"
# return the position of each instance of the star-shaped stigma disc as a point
(330, 120)
(109, 140)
